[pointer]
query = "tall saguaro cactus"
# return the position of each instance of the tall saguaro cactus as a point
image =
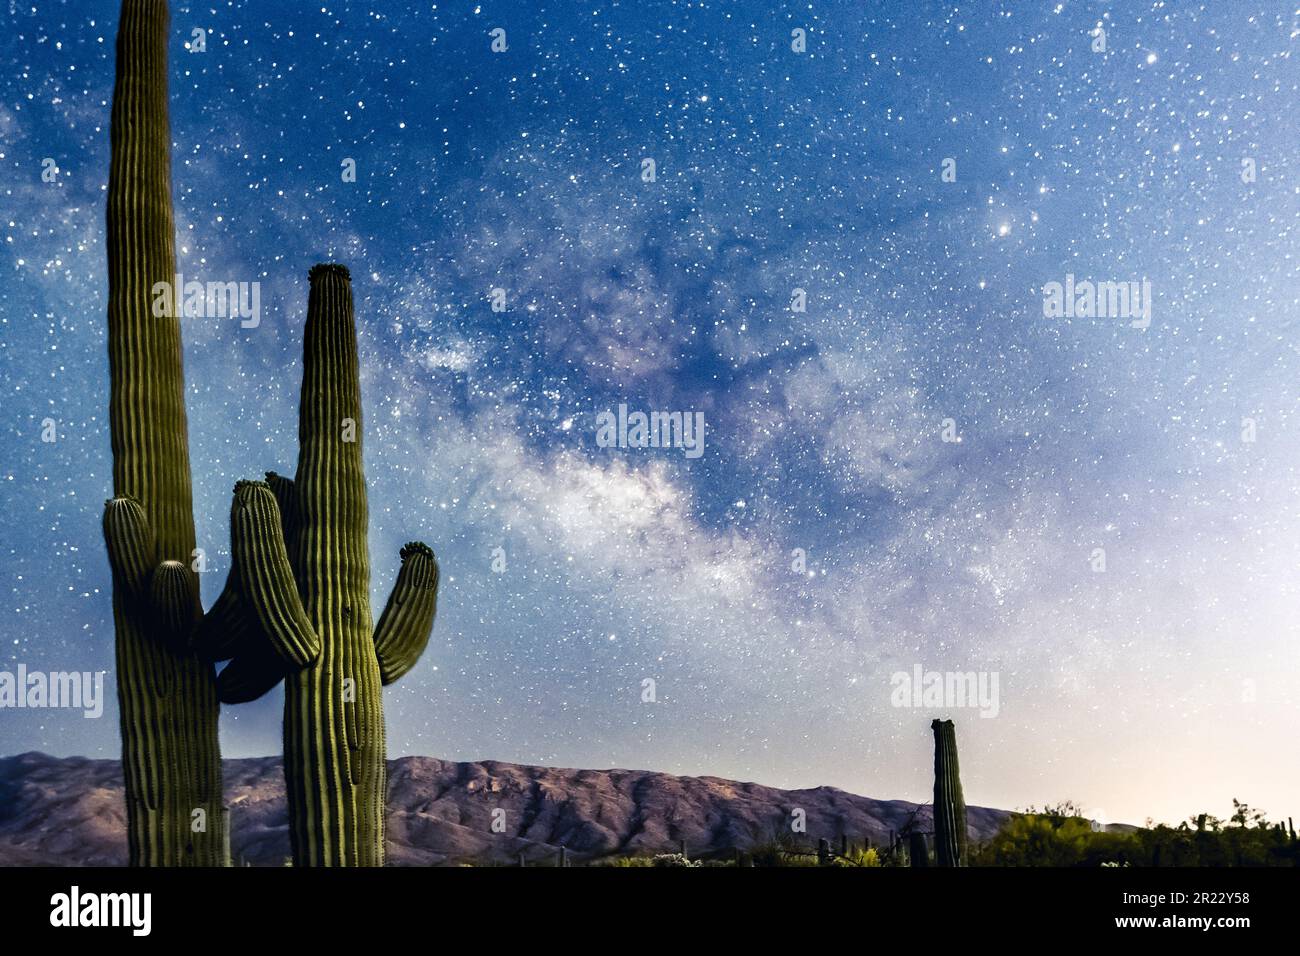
(296, 605)
(167, 696)
(949, 807)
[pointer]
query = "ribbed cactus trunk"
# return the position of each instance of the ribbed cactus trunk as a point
(334, 720)
(296, 605)
(166, 696)
(949, 806)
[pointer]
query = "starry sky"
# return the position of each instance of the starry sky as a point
(1164, 685)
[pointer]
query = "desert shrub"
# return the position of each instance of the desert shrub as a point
(858, 857)
(1034, 839)
(1059, 836)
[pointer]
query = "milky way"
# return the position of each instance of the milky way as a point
(839, 261)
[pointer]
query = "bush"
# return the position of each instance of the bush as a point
(1061, 837)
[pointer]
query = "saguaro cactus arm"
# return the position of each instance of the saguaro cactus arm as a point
(227, 626)
(259, 619)
(253, 672)
(168, 594)
(286, 496)
(404, 627)
(266, 580)
(232, 624)
(132, 550)
(174, 598)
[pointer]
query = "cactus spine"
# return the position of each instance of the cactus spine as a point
(166, 695)
(949, 806)
(296, 605)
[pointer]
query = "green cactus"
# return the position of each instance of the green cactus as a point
(296, 605)
(918, 849)
(950, 835)
(167, 696)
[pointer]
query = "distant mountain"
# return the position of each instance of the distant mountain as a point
(69, 811)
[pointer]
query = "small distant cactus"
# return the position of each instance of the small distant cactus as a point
(918, 849)
(950, 837)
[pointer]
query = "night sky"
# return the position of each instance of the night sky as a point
(1162, 686)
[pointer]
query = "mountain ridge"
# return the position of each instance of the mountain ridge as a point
(69, 811)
